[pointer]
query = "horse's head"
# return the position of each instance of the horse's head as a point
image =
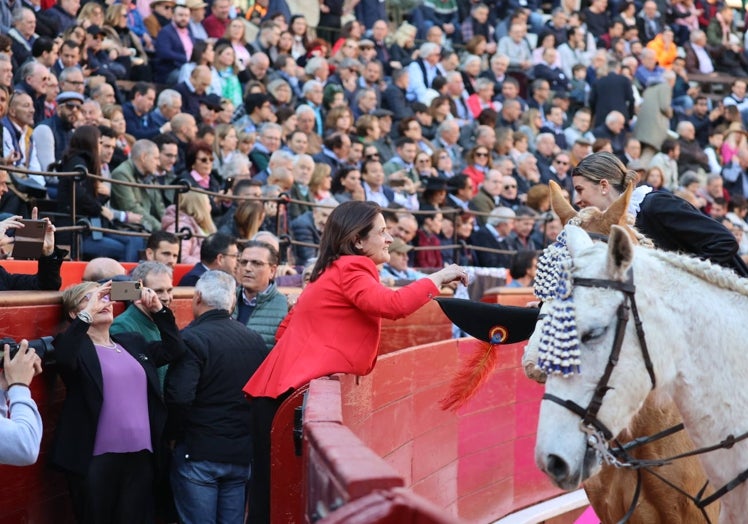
(575, 344)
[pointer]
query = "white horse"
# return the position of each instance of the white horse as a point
(694, 316)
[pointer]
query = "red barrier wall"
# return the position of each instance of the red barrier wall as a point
(72, 272)
(476, 464)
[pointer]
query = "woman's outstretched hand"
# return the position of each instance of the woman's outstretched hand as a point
(451, 273)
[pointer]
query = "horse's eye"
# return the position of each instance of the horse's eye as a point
(593, 334)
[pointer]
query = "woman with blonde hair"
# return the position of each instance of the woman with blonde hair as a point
(90, 14)
(403, 49)
(224, 147)
(321, 181)
(127, 45)
(236, 34)
(194, 215)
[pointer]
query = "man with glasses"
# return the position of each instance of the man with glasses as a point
(560, 172)
(268, 143)
(162, 11)
(52, 135)
(71, 79)
(259, 305)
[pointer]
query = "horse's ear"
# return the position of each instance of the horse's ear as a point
(620, 253)
(559, 204)
(617, 211)
(577, 239)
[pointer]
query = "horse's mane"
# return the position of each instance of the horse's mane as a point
(714, 274)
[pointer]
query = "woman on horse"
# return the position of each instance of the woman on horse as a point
(670, 222)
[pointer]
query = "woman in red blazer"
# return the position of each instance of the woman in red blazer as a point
(335, 325)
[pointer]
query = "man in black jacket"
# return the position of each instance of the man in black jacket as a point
(209, 418)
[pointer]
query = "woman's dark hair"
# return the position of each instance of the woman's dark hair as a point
(198, 50)
(85, 143)
(521, 263)
(605, 166)
(337, 180)
(347, 224)
(194, 149)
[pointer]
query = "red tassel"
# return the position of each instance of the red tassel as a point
(472, 376)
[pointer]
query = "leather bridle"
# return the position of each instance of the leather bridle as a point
(590, 423)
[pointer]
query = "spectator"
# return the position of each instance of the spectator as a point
(523, 269)
(308, 228)
(33, 81)
(692, 156)
(103, 269)
(107, 435)
(21, 431)
(495, 235)
(162, 246)
(48, 273)
(653, 124)
(430, 225)
(667, 161)
(62, 15)
(613, 130)
(209, 417)
(194, 216)
(259, 305)
(140, 168)
(217, 252)
(162, 12)
(649, 22)
(611, 92)
(174, 45)
(82, 155)
(136, 318)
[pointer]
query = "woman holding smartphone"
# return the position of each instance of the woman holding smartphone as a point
(109, 436)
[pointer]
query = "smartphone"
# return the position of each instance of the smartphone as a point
(127, 290)
(29, 240)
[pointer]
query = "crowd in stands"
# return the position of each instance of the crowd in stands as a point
(462, 112)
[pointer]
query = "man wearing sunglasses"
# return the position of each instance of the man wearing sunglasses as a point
(52, 135)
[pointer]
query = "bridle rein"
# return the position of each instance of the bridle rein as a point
(598, 435)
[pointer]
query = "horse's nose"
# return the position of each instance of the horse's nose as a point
(557, 468)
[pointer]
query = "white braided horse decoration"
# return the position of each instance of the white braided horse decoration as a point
(693, 315)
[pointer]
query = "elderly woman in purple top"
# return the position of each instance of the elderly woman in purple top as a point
(108, 438)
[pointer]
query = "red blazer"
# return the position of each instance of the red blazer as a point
(335, 326)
